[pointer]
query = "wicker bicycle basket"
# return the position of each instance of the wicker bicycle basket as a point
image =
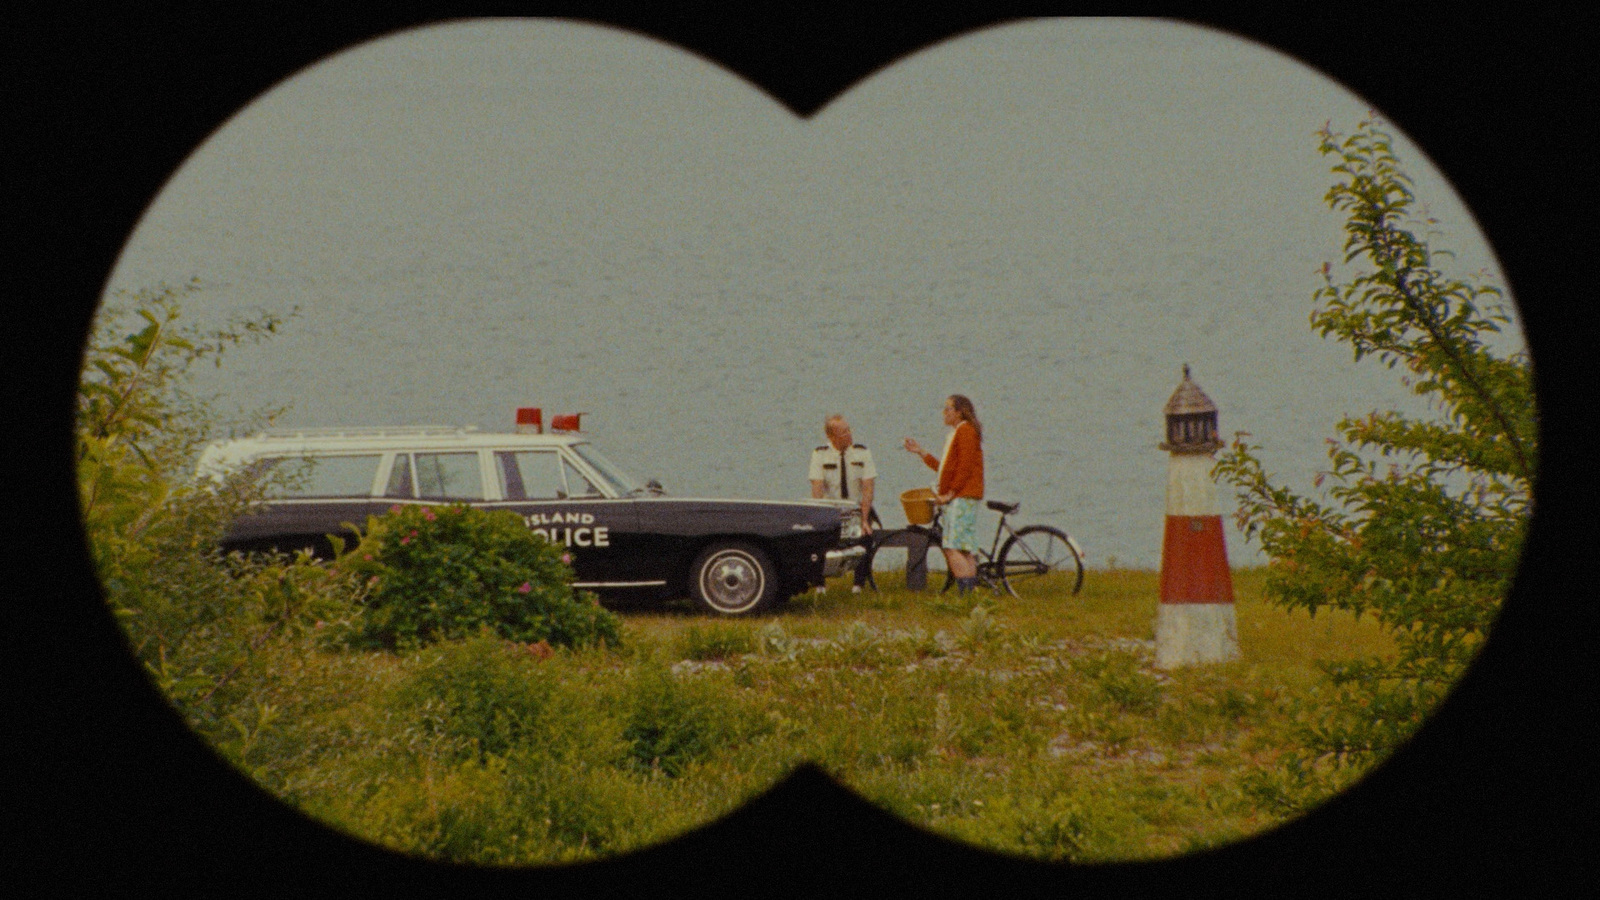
(919, 504)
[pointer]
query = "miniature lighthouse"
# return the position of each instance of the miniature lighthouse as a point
(1196, 623)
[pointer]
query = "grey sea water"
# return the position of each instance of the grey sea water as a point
(1051, 217)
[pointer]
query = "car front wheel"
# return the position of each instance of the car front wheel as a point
(733, 579)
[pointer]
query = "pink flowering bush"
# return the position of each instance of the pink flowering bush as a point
(441, 573)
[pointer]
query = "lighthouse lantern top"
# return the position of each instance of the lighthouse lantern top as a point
(1191, 419)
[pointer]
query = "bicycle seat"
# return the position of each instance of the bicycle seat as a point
(1004, 509)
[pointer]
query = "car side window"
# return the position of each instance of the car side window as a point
(448, 476)
(529, 475)
(577, 485)
(324, 476)
(400, 478)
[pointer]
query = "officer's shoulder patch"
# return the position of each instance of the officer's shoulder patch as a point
(823, 447)
(861, 446)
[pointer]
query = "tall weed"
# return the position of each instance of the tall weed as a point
(716, 641)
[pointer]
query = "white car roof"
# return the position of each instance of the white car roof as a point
(224, 455)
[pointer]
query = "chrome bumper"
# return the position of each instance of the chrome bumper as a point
(842, 560)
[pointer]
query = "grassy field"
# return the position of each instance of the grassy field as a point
(1033, 726)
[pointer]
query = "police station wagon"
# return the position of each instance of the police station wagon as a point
(627, 539)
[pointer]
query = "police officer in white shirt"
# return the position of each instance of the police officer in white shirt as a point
(843, 470)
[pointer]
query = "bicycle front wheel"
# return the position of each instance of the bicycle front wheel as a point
(1039, 558)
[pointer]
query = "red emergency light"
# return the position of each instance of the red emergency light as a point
(565, 423)
(530, 420)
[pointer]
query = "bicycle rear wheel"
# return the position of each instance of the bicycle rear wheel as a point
(1040, 558)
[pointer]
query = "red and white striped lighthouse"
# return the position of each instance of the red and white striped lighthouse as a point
(1196, 621)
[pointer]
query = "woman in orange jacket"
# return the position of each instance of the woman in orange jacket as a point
(960, 487)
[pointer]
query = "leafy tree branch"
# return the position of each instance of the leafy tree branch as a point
(1420, 520)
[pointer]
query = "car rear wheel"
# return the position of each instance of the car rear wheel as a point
(733, 579)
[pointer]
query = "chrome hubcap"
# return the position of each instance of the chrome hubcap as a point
(732, 581)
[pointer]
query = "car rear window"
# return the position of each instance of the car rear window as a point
(448, 476)
(322, 476)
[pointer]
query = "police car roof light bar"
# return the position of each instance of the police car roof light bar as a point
(529, 420)
(566, 423)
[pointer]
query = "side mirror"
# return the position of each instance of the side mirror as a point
(654, 487)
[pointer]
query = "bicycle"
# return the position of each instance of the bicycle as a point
(1029, 553)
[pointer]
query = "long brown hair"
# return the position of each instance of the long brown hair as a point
(967, 413)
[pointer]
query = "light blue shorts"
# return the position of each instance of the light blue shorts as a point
(961, 524)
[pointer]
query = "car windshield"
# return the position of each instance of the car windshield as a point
(620, 479)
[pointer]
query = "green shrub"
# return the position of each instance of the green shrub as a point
(1419, 520)
(581, 811)
(668, 725)
(858, 645)
(1119, 680)
(442, 572)
(194, 618)
(905, 748)
(978, 629)
(455, 812)
(1051, 827)
(672, 724)
(483, 695)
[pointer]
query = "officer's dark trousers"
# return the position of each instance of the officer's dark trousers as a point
(866, 541)
(916, 544)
